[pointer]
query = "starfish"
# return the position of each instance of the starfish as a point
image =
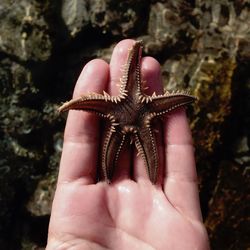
(130, 115)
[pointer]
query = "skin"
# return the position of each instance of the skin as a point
(129, 213)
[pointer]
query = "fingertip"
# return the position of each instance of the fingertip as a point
(177, 128)
(93, 74)
(93, 78)
(118, 60)
(95, 65)
(121, 48)
(151, 65)
(151, 74)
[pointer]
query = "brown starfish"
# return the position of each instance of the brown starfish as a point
(129, 115)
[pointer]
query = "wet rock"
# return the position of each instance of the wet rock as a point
(22, 122)
(118, 18)
(24, 31)
(18, 87)
(41, 201)
(7, 197)
(75, 15)
(168, 26)
(19, 171)
(242, 151)
(208, 68)
(227, 226)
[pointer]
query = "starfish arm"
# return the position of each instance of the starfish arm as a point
(146, 145)
(131, 79)
(97, 103)
(112, 147)
(162, 104)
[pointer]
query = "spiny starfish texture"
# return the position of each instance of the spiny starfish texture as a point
(130, 115)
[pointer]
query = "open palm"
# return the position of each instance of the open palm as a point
(128, 213)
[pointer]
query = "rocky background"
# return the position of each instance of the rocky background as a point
(201, 45)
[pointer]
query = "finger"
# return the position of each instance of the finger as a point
(81, 136)
(152, 81)
(181, 179)
(118, 60)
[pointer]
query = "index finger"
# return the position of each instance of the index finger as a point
(81, 136)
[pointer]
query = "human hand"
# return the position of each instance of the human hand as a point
(126, 214)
